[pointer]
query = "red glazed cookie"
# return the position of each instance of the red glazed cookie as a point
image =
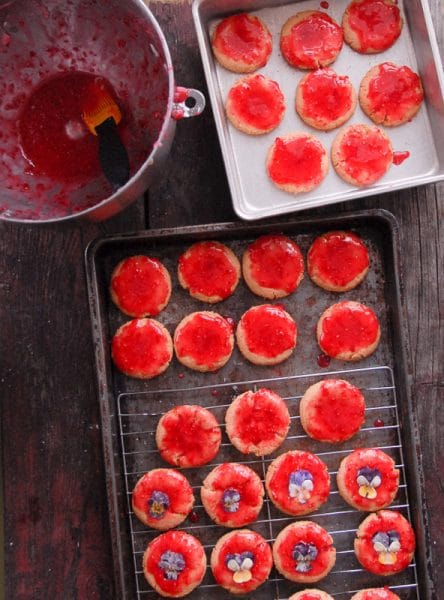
(372, 26)
(324, 99)
(174, 563)
(162, 498)
(368, 479)
(140, 286)
(188, 436)
(310, 39)
(297, 162)
(209, 271)
(385, 543)
(241, 561)
(375, 594)
(304, 552)
(266, 334)
(297, 482)
(257, 422)
(273, 266)
(338, 261)
(391, 95)
(311, 594)
(332, 410)
(232, 494)
(361, 154)
(142, 348)
(348, 331)
(255, 104)
(203, 341)
(242, 43)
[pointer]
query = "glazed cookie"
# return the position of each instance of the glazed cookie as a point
(255, 104)
(297, 482)
(257, 422)
(348, 331)
(273, 266)
(332, 410)
(391, 95)
(266, 334)
(162, 498)
(188, 436)
(368, 479)
(324, 99)
(241, 43)
(232, 494)
(203, 341)
(372, 26)
(140, 286)
(338, 261)
(361, 154)
(375, 594)
(209, 270)
(142, 348)
(311, 594)
(304, 552)
(310, 39)
(174, 563)
(385, 543)
(241, 561)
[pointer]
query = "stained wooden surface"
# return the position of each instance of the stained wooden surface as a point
(55, 515)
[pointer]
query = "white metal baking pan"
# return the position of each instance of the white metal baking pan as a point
(254, 196)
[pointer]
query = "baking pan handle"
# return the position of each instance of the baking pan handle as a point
(188, 102)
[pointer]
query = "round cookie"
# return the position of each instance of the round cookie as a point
(375, 594)
(209, 270)
(348, 331)
(266, 334)
(332, 410)
(162, 498)
(140, 286)
(174, 563)
(273, 266)
(241, 561)
(311, 594)
(368, 479)
(324, 99)
(203, 341)
(257, 422)
(390, 95)
(371, 26)
(297, 482)
(304, 552)
(385, 543)
(241, 43)
(361, 154)
(338, 261)
(188, 436)
(310, 39)
(297, 162)
(232, 495)
(142, 348)
(255, 104)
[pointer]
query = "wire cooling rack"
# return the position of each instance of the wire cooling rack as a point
(139, 413)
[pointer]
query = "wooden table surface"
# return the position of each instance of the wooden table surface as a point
(56, 534)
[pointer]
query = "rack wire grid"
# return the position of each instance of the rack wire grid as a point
(139, 413)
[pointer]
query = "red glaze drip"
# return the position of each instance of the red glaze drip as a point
(379, 423)
(215, 393)
(258, 102)
(53, 136)
(365, 154)
(297, 161)
(276, 262)
(326, 95)
(324, 4)
(140, 347)
(141, 286)
(378, 594)
(323, 360)
(399, 157)
(207, 270)
(349, 328)
(337, 257)
(375, 23)
(269, 330)
(181, 375)
(170, 482)
(310, 533)
(205, 338)
(313, 42)
(243, 38)
(193, 517)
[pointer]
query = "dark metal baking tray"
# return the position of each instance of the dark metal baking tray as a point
(130, 408)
